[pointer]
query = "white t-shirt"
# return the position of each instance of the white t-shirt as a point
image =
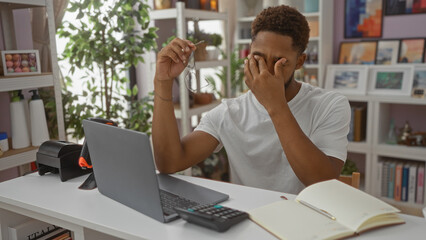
(254, 150)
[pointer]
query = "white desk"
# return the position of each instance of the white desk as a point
(88, 213)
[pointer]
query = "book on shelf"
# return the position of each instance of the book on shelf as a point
(391, 180)
(398, 181)
(57, 234)
(30, 229)
(313, 27)
(420, 184)
(402, 180)
(384, 178)
(379, 175)
(360, 123)
(351, 126)
(412, 183)
(404, 185)
(325, 210)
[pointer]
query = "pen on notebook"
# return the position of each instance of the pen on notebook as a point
(321, 211)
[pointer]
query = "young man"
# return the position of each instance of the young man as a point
(281, 135)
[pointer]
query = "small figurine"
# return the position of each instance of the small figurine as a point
(405, 133)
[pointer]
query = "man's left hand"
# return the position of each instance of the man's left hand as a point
(268, 88)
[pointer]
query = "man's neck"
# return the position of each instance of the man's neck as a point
(292, 89)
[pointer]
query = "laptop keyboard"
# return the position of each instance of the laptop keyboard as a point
(169, 201)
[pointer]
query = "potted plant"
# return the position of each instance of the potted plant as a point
(348, 168)
(104, 42)
(212, 40)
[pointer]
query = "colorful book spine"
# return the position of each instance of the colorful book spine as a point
(391, 182)
(360, 122)
(30, 229)
(351, 125)
(385, 179)
(420, 184)
(398, 181)
(412, 183)
(405, 178)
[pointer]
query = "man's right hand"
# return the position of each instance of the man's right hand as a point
(172, 59)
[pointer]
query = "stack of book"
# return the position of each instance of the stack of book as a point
(358, 124)
(32, 229)
(402, 181)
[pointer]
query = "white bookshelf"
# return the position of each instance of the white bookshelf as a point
(23, 82)
(17, 157)
(181, 15)
(324, 16)
(17, 4)
(375, 149)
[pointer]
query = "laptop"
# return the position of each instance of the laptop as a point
(124, 170)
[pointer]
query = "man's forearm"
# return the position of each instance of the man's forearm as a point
(165, 133)
(309, 163)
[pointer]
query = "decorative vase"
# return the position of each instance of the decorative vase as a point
(213, 53)
(200, 53)
(311, 6)
(162, 4)
(203, 98)
(194, 4)
(205, 4)
(251, 7)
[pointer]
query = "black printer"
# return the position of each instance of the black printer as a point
(60, 157)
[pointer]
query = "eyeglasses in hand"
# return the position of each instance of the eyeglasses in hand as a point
(191, 74)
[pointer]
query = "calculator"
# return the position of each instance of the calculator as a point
(216, 217)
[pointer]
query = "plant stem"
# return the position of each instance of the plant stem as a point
(104, 68)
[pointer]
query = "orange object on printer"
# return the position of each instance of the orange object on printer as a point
(84, 161)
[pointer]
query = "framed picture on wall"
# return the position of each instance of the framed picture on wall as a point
(411, 50)
(398, 7)
(20, 62)
(363, 19)
(419, 81)
(357, 52)
(347, 79)
(387, 52)
(390, 80)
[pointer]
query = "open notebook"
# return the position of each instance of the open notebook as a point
(325, 210)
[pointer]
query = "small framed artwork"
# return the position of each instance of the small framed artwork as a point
(387, 52)
(363, 19)
(20, 62)
(358, 52)
(390, 80)
(411, 50)
(419, 81)
(347, 79)
(398, 7)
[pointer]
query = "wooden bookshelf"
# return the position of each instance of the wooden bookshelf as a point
(17, 157)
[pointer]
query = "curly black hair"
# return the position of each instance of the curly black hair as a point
(283, 20)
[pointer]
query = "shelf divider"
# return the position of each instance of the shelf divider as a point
(17, 157)
(25, 82)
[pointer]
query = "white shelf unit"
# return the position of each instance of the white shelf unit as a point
(364, 147)
(379, 113)
(182, 15)
(324, 16)
(17, 157)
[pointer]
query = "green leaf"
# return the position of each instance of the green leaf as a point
(80, 15)
(135, 90)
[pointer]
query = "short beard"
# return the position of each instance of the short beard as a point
(291, 79)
